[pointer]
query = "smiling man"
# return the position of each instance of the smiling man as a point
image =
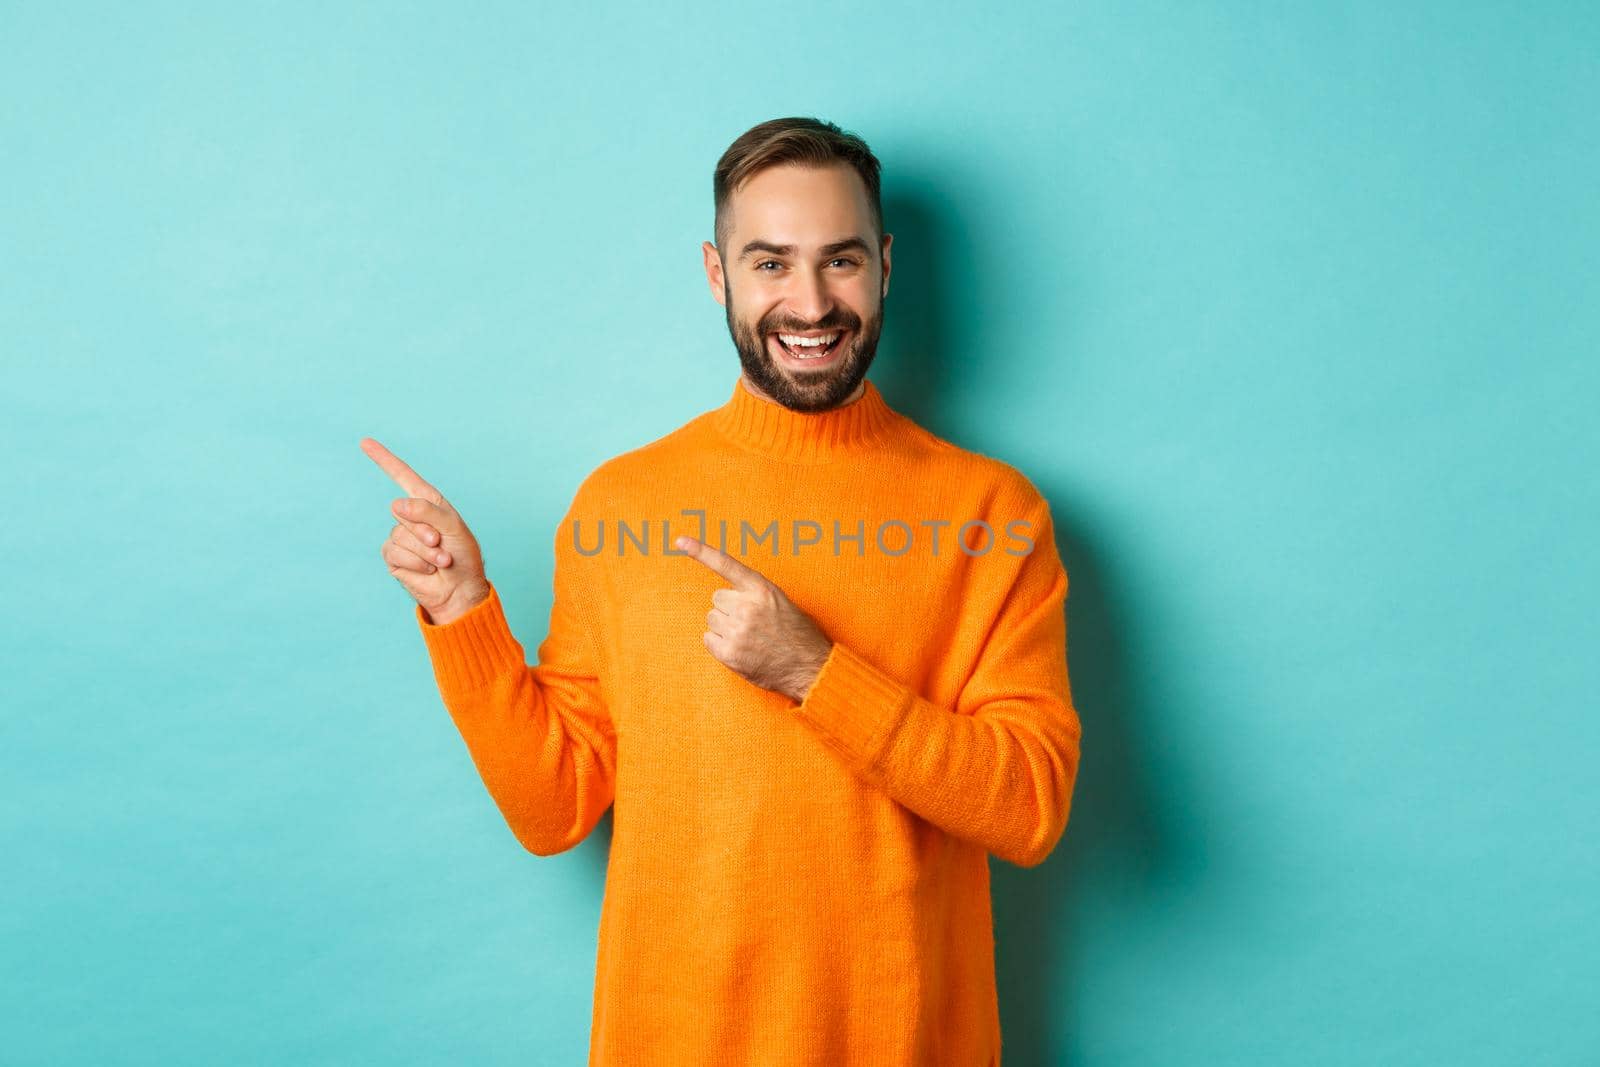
(805, 320)
(812, 733)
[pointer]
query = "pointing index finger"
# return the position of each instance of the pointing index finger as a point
(395, 467)
(741, 576)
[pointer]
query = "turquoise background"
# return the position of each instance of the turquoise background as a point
(1290, 310)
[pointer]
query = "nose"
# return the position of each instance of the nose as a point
(809, 297)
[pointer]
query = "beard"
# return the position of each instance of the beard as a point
(800, 390)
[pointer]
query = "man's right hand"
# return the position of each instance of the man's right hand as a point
(430, 551)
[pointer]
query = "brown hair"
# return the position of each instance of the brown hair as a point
(806, 141)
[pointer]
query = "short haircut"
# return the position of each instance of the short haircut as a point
(806, 141)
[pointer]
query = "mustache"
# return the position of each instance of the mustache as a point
(824, 325)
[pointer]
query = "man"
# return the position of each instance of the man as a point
(815, 730)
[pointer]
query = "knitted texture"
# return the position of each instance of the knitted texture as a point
(789, 883)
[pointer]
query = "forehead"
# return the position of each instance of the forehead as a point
(801, 204)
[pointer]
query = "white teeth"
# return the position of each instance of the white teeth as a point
(807, 342)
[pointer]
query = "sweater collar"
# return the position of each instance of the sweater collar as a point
(807, 437)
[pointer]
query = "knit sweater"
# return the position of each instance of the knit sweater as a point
(789, 883)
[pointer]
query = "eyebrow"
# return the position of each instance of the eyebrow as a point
(856, 243)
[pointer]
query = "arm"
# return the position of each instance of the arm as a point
(540, 735)
(999, 768)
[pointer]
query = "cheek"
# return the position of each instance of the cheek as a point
(862, 294)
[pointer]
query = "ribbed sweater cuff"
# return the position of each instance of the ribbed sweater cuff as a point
(855, 705)
(470, 651)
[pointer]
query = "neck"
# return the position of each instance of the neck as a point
(846, 430)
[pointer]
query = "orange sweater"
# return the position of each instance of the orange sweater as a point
(788, 883)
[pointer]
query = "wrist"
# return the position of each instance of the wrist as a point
(461, 601)
(808, 677)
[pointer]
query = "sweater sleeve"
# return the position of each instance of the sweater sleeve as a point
(540, 735)
(998, 769)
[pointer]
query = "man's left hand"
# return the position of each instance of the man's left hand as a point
(756, 630)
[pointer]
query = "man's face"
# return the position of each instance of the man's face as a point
(800, 261)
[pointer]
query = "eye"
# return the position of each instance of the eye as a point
(774, 263)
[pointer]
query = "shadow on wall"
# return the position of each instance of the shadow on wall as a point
(1113, 822)
(912, 367)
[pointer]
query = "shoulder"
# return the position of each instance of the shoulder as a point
(996, 480)
(621, 480)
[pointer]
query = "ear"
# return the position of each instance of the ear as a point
(713, 263)
(888, 238)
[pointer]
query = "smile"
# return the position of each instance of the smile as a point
(809, 348)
